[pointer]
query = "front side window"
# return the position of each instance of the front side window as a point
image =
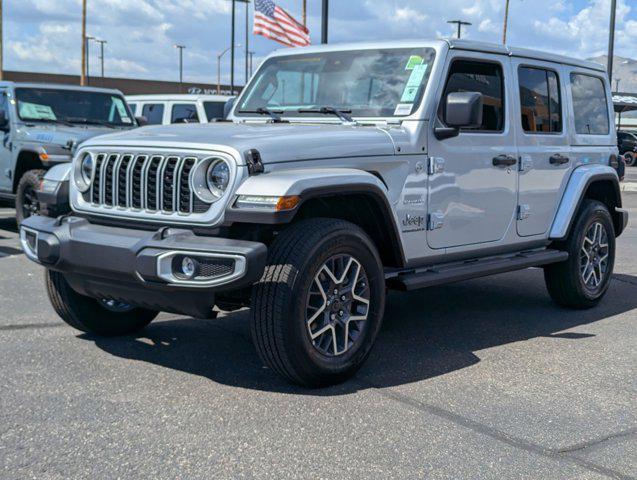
(154, 113)
(366, 83)
(589, 105)
(184, 113)
(214, 110)
(540, 100)
(72, 106)
(485, 78)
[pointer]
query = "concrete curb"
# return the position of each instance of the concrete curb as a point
(628, 186)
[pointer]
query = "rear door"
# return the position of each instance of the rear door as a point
(543, 145)
(473, 182)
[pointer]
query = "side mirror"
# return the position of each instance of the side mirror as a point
(462, 110)
(227, 107)
(141, 121)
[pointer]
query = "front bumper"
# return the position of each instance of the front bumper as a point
(134, 266)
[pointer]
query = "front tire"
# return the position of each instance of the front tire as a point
(583, 279)
(630, 158)
(26, 201)
(319, 305)
(100, 317)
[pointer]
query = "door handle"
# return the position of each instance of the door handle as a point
(559, 159)
(504, 161)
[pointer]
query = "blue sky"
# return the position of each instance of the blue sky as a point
(44, 35)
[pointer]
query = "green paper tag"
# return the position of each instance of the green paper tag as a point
(413, 61)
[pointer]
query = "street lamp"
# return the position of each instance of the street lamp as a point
(460, 23)
(181, 63)
(219, 57)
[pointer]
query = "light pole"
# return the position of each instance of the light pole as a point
(219, 57)
(617, 80)
(611, 38)
(181, 64)
(101, 42)
(325, 14)
(1, 44)
(83, 71)
(88, 58)
(460, 23)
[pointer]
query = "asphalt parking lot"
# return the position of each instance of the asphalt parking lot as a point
(483, 379)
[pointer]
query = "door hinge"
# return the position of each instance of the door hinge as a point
(524, 211)
(435, 165)
(435, 221)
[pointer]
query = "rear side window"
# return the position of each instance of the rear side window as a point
(214, 110)
(184, 113)
(589, 105)
(154, 113)
(486, 78)
(540, 100)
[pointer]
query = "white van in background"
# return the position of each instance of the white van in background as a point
(164, 109)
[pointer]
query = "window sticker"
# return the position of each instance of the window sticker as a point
(403, 109)
(413, 84)
(414, 61)
(35, 111)
(121, 110)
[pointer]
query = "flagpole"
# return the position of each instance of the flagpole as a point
(305, 13)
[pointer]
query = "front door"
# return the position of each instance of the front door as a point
(6, 165)
(543, 144)
(473, 182)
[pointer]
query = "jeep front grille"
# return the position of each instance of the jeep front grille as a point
(141, 182)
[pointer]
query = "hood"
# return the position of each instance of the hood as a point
(53, 134)
(277, 142)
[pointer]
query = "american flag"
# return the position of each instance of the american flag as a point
(276, 24)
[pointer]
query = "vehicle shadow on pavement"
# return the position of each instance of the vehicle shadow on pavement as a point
(425, 334)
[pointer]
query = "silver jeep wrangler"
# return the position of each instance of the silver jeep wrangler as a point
(346, 169)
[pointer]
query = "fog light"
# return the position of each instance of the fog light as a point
(188, 267)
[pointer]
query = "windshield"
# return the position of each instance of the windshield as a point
(364, 83)
(72, 106)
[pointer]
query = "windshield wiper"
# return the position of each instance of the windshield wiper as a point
(344, 115)
(275, 115)
(89, 121)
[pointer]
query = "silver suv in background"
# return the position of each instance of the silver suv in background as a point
(42, 125)
(346, 169)
(164, 109)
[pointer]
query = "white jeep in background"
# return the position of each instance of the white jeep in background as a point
(346, 169)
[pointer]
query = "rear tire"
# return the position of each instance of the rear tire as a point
(26, 200)
(90, 315)
(582, 280)
(323, 275)
(630, 158)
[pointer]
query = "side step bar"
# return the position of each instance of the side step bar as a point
(458, 271)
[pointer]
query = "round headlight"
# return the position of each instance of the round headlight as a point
(87, 169)
(84, 172)
(218, 177)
